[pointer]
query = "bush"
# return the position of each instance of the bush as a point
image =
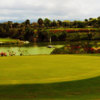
(3, 54)
(58, 51)
(77, 48)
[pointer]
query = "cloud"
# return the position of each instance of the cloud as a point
(53, 9)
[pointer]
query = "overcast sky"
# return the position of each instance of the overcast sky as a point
(17, 10)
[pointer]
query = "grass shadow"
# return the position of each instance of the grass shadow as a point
(52, 91)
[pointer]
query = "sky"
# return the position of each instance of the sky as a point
(20, 10)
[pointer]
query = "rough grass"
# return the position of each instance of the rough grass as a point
(53, 77)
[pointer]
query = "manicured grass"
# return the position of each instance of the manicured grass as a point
(50, 77)
(7, 40)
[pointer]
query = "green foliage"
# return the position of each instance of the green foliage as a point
(25, 30)
(54, 23)
(40, 21)
(47, 22)
(85, 47)
(27, 22)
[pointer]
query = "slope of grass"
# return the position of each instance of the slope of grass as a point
(53, 77)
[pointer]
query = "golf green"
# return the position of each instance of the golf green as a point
(50, 77)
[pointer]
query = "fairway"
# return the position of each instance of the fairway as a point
(50, 77)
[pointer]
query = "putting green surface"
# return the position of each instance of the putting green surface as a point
(45, 69)
(50, 77)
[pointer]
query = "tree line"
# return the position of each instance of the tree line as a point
(40, 29)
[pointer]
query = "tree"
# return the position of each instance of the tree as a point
(98, 21)
(10, 23)
(40, 22)
(13, 33)
(3, 32)
(86, 20)
(63, 36)
(90, 19)
(53, 24)
(21, 33)
(29, 32)
(16, 25)
(47, 22)
(66, 23)
(92, 22)
(59, 23)
(27, 22)
(78, 24)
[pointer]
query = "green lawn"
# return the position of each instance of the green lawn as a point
(62, 28)
(50, 77)
(7, 40)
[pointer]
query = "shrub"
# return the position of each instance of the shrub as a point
(3, 54)
(58, 51)
(78, 48)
